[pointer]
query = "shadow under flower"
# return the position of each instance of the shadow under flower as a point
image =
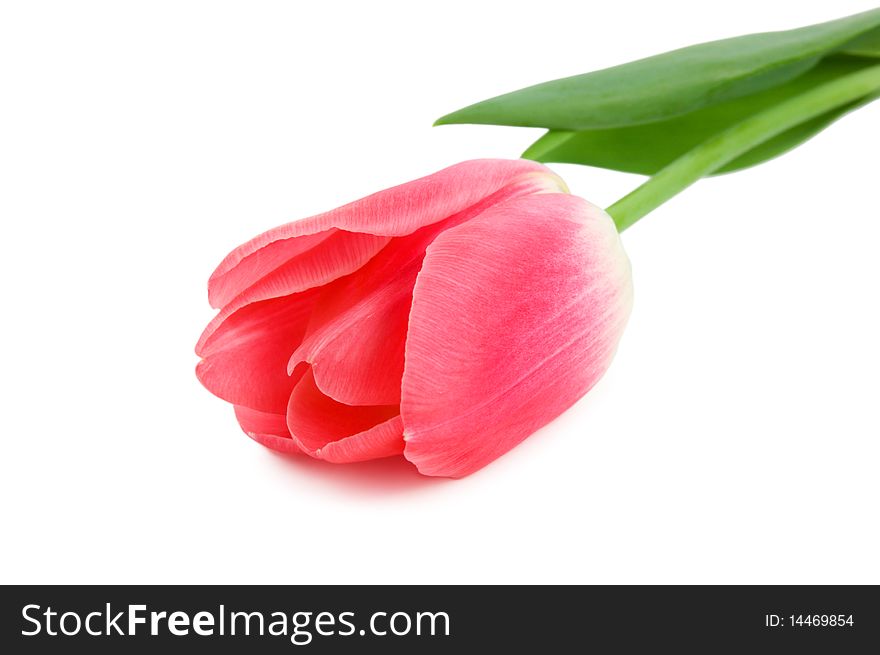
(386, 476)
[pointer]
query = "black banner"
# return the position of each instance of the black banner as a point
(390, 619)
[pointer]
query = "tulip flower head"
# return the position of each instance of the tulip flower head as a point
(444, 320)
(449, 318)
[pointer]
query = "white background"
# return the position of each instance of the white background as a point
(734, 440)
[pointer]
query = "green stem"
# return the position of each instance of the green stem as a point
(726, 146)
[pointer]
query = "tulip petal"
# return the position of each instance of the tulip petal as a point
(253, 421)
(355, 342)
(244, 359)
(327, 429)
(382, 440)
(360, 362)
(516, 314)
(269, 430)
(278, 444)
(338, 255)
(291, 263)
(226, 285)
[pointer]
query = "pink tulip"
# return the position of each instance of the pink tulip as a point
(445, 319)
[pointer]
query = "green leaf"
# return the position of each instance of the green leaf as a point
(790, 139)
(648, 148)
(673, 83)
(867, 45)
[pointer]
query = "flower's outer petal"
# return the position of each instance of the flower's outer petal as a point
(253, 421)
(307, 252)
(327, 429)
(244, 360)
(338, 255)
(515, 315)
(276, 443)
(382, 440)
(270, 430)
(224, 286)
